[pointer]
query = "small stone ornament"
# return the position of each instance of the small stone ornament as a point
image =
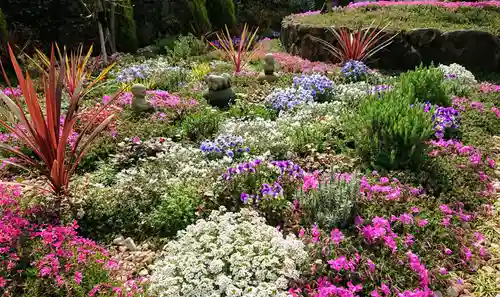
(269, 67)
(139, 103)
(219, 93)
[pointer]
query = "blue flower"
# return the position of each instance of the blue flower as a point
(316, 84)
(354, 71)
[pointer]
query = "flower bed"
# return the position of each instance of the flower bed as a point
(459, 32)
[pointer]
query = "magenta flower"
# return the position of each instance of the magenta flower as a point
(336, 236)
(78, 277)
(423, 222)
(136, 140)
(443, 271)
(315, 233)
(371, 265)
(467, 253)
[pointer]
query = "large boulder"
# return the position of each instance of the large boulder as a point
(476, 50)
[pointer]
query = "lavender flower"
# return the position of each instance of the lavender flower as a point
(354, 71)
(379, 89)
(131, 73)
(443, 118)
(286, 99)
(289, 168)
(316, 84)
(229, 145)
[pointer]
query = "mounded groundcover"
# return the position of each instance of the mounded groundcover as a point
(427, 34)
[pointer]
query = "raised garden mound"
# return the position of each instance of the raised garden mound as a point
(427, 34)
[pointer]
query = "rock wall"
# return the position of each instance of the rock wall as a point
(475, 50)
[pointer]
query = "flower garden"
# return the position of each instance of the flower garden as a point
(229, 167)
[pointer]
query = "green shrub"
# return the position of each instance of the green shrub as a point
(221, 13)
(200, 23)
(245, 109)
(201, 125)
(185, 47)
(126, 34)
(479, 127)
(171, 80)
(390, 132)
(139, 209)
(331, 204)
(129, 126)
(424, 85)
(176, 210)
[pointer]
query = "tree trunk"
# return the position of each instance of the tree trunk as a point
(103, 44)
(112, 25)
(102, 39)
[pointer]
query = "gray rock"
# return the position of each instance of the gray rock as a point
(118, 240)
(129, 244)
(475, 50)
(452, 292)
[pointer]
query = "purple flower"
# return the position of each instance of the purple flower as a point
(354, 71)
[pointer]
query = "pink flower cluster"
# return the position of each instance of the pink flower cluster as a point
(389, 189)
(451, 5)
(419, 268)
(295, 64)
(326, 289)
(13, 92)
(476, 160)
(486, 87)
(57, 254)
(313, 181)
(463, 104)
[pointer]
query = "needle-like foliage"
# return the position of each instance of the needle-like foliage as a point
(238, 50)
(43, 132)
(358, 45)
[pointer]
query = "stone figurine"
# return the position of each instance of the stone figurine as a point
(269, 67)
(219, 93)
(139, 103)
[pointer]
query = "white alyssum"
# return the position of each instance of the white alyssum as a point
(351, 92)
(460, 73)
(229, 254)
(260, 135)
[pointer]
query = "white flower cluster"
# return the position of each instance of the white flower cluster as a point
(230, 254)
(311, 111)
(459, 73)
(351, 92)
(178, 163)
(260, 135)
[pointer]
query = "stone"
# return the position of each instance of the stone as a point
(122, 249)
(143, 272)
(219, 93)
(452, 292)
(475, 50)
(118, 240)
(139, 103)
(129, 244)
(489, 269)
(269, 67)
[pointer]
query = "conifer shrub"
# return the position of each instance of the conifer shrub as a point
(199, 21)
(221, 13)
(390, 132)
(126, 32)
(424, 85)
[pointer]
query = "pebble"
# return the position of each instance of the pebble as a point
(143, 272)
